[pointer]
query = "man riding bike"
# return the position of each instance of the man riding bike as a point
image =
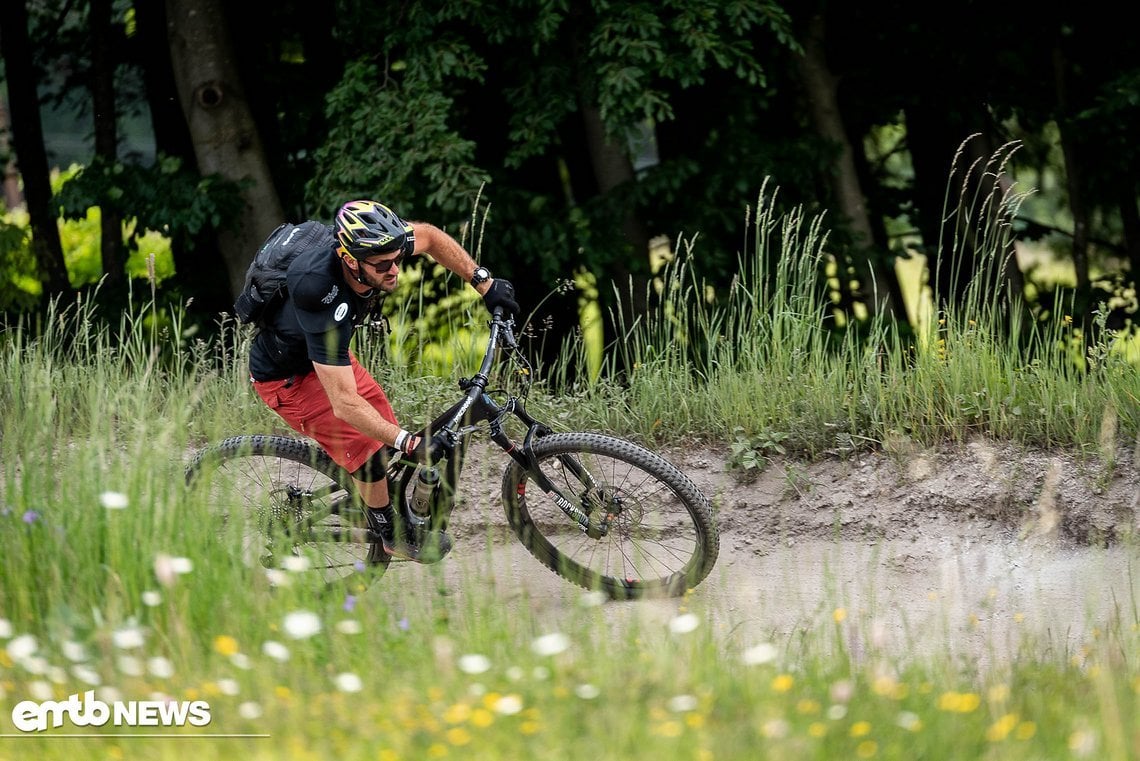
(301, 366)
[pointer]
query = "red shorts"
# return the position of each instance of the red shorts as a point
(301, 402)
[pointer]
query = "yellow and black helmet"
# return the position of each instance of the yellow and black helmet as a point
(366, 228)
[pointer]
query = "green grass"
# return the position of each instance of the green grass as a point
(95, 416)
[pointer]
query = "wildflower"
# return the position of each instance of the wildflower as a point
(682, 703)
(1025, 730)
(302, 624)
(866, 749)
(348, 682)
(5, 628)
(349, 603)
(277, 578)
(840, 615)
(909, 721)
(295, 563)
(807, 707)
(684, 623)
(129, 665)
(74, 651)
(249, 710)
(241, 661)
(22, 647)
(817, 729)
(167, 569)
(760, 654)
(225, 645)
(349, 626)
(958, 702)
(40, 690)
(30, 517)
(113, 500)
(1001, 728)
(86, 674)
(842, 691)
(1082, 743)
(783, 683)
(550, 644)
(457, 713)
(860, 728)
(482, 718)
(403, 624)
(836, 712)
(151, 598)
(774, 729)
(228, 687)
(458, 736)
(587, 691)
(128, 637)
(275, 650)
(667, 729)
(508, 705)
(160, 667)
(474, 663)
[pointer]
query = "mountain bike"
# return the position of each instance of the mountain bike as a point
(600, 511)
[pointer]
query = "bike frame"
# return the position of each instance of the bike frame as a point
(463, 419)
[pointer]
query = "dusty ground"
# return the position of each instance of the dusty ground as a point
(979, 550)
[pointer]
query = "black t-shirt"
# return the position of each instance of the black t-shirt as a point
(315, 321)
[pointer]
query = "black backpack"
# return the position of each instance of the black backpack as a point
(265, 279)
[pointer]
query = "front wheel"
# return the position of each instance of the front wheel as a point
(651, 530)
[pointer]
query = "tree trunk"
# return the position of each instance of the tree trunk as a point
(28, 139)
(106, 136)
(1130, 216)
(197, 262)
(222, 129)
(613, 168)
(1073, 184)
(12, 195)
(880, 286)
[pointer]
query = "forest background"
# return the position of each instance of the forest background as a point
(576, 145)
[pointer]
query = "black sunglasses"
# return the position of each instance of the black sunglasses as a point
(387, 264)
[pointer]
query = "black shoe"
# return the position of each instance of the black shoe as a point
(415, 544)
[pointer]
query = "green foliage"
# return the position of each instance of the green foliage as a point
(167, 198)
(750, 453)
(19, 288)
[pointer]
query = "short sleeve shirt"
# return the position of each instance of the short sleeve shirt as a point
(314, 323)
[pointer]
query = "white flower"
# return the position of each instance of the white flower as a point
(129, 665)
(128, 637)
(86, 674)
(228, 686)
(592, 599)
(508, 705)
(908, 720)
(113, 500)
(22, 647)
(277, 578)
(74, 651)
(684, 623)
(241, 661)
(302, 624)
(181, 565)
(515, 673)
(151, 598)
(348, 682)
(55, 673)
(836, 712)
(295, 563)
(40, 690)
(160, 667)
(167, 569)
(5, 628)
(108, 694)
(682, 703)
(550, 644)
(349, 626)
(249, 710)
(540, 673)
(474, 663)
(275, 650)
(587, 691)
(760, 654)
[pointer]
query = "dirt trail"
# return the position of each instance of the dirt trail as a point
(977, 551)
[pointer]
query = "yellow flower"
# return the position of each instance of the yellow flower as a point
(999, 693)
(283, 692)
(667, 729)
(387, 754)
(807, 706)
(437, 750)
(529, 727)
(225, 645)
(783, 683)
(457, 714)
(867, 749)
(817, 729)
(481, 717)
(958, 702)
(1025, 730)
(1001, 728)
(458, 736)
(860, 728)
(840, 614)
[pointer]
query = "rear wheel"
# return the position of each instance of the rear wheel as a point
(651, 530)
(283, 503)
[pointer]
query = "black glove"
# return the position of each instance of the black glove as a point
(423, 449)
(501, 294)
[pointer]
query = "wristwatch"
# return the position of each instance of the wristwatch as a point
(482, 275)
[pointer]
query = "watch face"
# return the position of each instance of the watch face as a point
(481, 274)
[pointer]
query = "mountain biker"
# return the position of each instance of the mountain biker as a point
(301, 366)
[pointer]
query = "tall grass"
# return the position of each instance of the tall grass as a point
(767, 362)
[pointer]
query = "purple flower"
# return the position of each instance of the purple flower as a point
(31, 517)
(404, 624)
(359, 566)
(349, 603)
